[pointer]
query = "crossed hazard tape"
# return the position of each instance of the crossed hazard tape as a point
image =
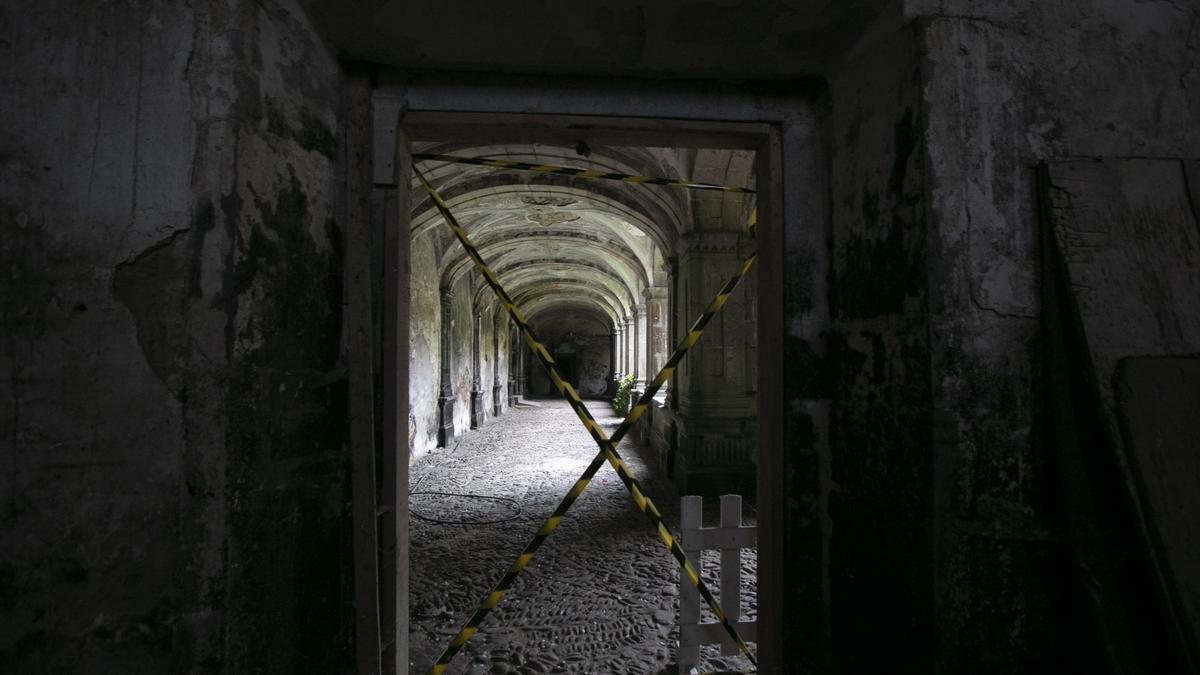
(586, 173)
(608, 451)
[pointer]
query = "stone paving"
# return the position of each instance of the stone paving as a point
(601, 596)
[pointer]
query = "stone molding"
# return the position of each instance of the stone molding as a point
(711, 242)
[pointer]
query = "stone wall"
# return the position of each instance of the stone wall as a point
(586, 365)
(172, 342)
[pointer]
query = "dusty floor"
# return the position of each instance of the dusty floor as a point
(600, 596)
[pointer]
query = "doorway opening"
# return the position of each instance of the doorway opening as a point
(434, 115)
(586, 261)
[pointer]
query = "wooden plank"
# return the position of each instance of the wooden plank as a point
(712, 633)
(721, 538)
(360, 349)
(772, 465)
(731, 570)
(691, 519)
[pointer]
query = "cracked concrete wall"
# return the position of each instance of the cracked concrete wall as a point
(97, 144)
(172, 334)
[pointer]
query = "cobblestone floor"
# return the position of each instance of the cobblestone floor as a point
(601, 596)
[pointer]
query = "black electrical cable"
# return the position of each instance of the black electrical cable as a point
(515, 505)
(413, 491)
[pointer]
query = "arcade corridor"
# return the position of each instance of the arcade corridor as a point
(600, 597)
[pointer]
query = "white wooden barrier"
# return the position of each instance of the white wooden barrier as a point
(729, 538)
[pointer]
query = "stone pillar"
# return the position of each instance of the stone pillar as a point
(657, 326)
(514, 346)
(619, 349)
(675, 327)
(717, 410)
(522, 351)
(612, 364)
(446, 389)
(477, 411)
(497, 388)
(640, 343)
(630, 336)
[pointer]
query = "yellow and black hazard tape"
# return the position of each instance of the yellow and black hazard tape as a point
(586, 173)
(608, 449)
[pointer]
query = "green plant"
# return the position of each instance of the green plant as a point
(621, 401)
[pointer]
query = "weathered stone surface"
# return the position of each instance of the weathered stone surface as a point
(173, 407)
(176, 257)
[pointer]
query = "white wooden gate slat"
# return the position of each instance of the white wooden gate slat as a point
(729, 538)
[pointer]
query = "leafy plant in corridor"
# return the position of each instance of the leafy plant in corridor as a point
(621, 401)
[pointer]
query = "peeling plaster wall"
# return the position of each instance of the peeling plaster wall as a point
(461, 364)
(97, 145)
(424, 356)
(288, 477)
(171, 340)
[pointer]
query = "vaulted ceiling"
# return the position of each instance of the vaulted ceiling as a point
(561, 243)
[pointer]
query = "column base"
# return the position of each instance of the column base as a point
(445, 421)
(477, 411)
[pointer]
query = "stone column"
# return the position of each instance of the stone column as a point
(522, 350)
(656, 319)
(619, 349)
(446, 389)
(497, 388)
(514, 345)
(640, 343)
(630, 335)
(675, 326)
(612, 364)
(477, 411)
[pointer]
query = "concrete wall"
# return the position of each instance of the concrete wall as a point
(937, 120)
(424, 356)
(1005, 86)
(172, 329)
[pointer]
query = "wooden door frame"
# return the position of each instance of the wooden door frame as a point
(781, 121)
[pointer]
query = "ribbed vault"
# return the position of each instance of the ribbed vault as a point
(560, 240)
